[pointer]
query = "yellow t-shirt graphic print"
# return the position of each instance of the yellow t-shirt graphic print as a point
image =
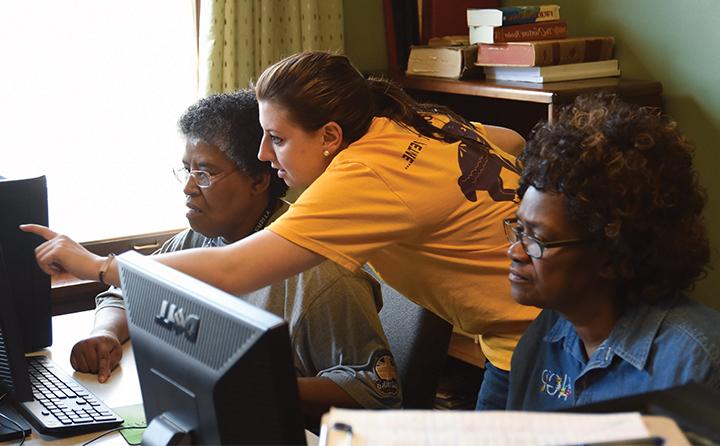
(480, 165)
(397, 200)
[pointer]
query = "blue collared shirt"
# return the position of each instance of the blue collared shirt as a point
(651, 347)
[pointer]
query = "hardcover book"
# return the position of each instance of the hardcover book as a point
(556, 29)
(555, 73)
(512, 15)
(452, 62)
(546, 52)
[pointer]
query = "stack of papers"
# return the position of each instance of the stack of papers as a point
(426, 427)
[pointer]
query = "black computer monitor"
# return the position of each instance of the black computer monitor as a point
(210, 365)
(25, 288)
(25, 307)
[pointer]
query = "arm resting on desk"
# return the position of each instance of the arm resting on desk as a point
(101, 351)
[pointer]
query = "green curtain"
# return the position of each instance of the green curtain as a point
(240, 38)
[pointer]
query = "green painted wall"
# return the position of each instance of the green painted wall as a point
(365, 34)
(674, 42)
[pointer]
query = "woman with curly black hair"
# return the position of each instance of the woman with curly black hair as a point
(608, 236)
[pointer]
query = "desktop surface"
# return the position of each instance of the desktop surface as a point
(122, 389)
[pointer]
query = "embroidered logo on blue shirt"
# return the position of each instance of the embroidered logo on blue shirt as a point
(555, 384)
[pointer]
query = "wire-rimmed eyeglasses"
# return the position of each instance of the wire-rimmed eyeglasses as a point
(532, 246)
(202, 178)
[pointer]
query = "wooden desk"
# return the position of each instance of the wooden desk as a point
(519, 105)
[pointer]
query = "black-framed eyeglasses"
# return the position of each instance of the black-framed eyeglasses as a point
(532, 246)
(202, 178)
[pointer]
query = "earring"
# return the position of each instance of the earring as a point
(326, 153)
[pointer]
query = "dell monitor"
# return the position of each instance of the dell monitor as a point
(25, 288)
(213, 369)
(25, 318)
(25, 308)
(45, 396)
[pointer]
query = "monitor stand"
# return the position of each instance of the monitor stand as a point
(162, 431)
(8, 430)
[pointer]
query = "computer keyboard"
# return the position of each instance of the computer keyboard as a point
(61, 406)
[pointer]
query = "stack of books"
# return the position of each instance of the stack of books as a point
(443, 49)
(530, 44)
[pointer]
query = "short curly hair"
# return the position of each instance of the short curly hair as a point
(629, 181)
(230, 122)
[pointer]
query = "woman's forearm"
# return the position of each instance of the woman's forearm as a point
(246, 265)
(249, 264)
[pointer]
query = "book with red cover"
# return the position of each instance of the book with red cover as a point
(546, 52)
(448, 17)
(556, 29)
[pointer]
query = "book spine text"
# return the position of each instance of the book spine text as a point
(531, 31)
(516, 15)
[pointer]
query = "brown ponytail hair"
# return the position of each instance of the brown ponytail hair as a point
(318, 87)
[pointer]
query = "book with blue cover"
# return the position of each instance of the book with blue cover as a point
(512, 15)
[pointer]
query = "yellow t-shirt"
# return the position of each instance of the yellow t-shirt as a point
(427, 215)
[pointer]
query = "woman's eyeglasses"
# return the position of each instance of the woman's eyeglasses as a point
(202, 178)
(532, 246)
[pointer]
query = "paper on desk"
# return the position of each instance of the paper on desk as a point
(426, 427)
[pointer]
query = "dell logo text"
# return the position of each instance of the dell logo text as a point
(173, 318)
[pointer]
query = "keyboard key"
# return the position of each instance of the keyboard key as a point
(83, 420)
(103, 418)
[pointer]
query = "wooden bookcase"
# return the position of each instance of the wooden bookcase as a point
(520, 105)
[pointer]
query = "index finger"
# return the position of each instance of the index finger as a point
(42, 231)
(103, 366)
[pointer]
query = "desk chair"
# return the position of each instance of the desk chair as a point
(419, 343)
